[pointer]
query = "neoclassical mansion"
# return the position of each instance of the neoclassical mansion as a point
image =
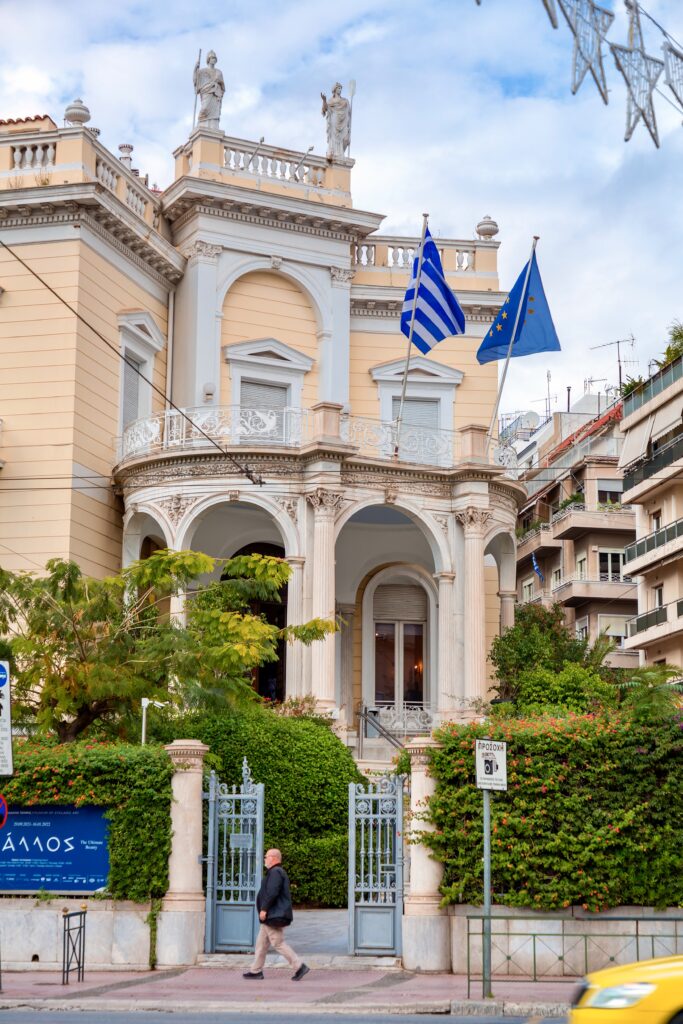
(266, 306)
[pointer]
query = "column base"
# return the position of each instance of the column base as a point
(180, 930)
(426, 937)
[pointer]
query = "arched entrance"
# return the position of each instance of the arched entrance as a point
(270, 680)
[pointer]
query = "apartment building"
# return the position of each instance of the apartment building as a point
(574, 527)
(652, 463)
(255, 295)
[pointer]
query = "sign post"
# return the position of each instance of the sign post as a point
(6, 760)
(491, 769)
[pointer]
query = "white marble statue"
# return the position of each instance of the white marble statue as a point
(337, 110)
(210, 87)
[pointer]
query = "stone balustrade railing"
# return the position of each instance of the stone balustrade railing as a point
(107, 173)
(202, 428)
(399, 253)
(265, 161)
(34, 156)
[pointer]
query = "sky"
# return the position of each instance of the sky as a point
(461, 110)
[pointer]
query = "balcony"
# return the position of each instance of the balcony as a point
(576, 520)
(189, 431)
(655, 625)
(538, 541)
(655, 546)
(576, 589)
(655, 465)
(657, 383)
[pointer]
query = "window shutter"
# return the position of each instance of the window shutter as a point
(418, 412)
(131, 390)
(270, 397)
(263, 416)
(400, 602)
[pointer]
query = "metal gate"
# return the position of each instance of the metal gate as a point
(234, 860)
(376, 867)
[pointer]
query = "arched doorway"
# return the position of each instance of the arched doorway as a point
(270, 680)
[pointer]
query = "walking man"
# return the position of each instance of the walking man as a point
(274, 905)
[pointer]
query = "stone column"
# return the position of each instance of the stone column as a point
(426, 931)
(333, 345)
(508, 600)
(197, 328)
(180, 933)
(325, 504)
(446, 683)
(474, 522)
(295, 617)
(348, 613)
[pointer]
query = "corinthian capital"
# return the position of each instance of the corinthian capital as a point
(202, 249)
(325, 501)
(474, 520)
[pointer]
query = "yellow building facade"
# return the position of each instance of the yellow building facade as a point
(257, 311)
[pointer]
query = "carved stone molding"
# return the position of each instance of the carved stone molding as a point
(420, 749)
(442, 520)
(324, 501)
(474, 520)
(187, 755)
(233, 495)
(340, 276)
(291, 507)
(175, 507)
(276, 262)
(203, 249)
(390, 495)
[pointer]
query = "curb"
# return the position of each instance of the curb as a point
(506, 1008)
(133, 1005)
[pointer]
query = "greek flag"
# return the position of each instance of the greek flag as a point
(536, 567)
(437, 313)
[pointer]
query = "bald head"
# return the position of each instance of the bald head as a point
(273, 857)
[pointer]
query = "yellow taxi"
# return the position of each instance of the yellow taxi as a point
(647, 992)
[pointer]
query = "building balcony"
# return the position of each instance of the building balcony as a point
(654, 547)
(539, 541)
(576, 589)
(576, 520)
(664, 465)
(655, 625)
(191, 431)
(656, 384)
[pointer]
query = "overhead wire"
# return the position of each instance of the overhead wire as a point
(244, 470)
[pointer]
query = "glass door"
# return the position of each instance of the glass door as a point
(399, 663)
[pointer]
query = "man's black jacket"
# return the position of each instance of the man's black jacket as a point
(274, 897)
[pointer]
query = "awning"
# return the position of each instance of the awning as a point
(667, 417)
(610, 485)
(635, 442)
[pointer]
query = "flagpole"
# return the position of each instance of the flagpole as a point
(425, 218)
(489, 436)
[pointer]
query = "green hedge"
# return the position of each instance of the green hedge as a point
(133, 783)
(306, 770)
(593, 815)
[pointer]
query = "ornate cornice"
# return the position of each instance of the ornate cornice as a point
(203, 250)
(263, 214)
(390, 308)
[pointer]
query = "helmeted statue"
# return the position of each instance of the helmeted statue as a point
(337, 110)
(210, 87)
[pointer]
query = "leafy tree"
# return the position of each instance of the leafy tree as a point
(85, 650)
(675, 347)
(575, 687)
(652, 693)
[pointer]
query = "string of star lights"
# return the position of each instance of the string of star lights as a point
(589, 24)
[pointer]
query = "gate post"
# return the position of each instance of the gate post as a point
(426, 926)
(180, 930)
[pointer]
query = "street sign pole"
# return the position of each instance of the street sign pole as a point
(487, 992)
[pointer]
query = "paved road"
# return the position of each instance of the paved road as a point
(67, 1017)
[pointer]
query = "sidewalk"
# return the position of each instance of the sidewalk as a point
(221, 988)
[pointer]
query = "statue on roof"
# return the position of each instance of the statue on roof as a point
(210, 87)
(337, 110)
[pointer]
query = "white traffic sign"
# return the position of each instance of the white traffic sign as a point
(6, 761)
(491, 764)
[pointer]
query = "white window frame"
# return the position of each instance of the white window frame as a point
(582, 567)
(658, 595)
(612, 551)
(267, 361)
(603, 622)
(141, 339)
(527, 589)
(426, 379)
(556, 578)
(582, 628)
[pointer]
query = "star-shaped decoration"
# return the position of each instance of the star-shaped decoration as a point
(551, 12)
(641, 74)
(505, 316)
(499, 327)
(589, 24)
(673, 70)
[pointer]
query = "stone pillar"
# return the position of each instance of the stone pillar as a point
(295, 617)
(325, 504)
(474, 522)
(180, 933)
(333, 345)
(348, 613)
(196, 356)
(446, 682)
(426, 926)
(508, 600)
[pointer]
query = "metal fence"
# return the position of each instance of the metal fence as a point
(73, 945)
(528, 948)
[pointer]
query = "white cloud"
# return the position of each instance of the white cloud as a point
(460, 109)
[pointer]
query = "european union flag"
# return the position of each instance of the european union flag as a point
(535, 328)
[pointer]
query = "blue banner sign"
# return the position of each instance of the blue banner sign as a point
(60, 849)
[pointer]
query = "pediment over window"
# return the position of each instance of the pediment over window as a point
(140, 326)
(422, 370)
(268, 352)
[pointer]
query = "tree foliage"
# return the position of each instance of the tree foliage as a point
(85, 650)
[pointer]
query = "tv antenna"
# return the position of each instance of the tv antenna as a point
(620, 341)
